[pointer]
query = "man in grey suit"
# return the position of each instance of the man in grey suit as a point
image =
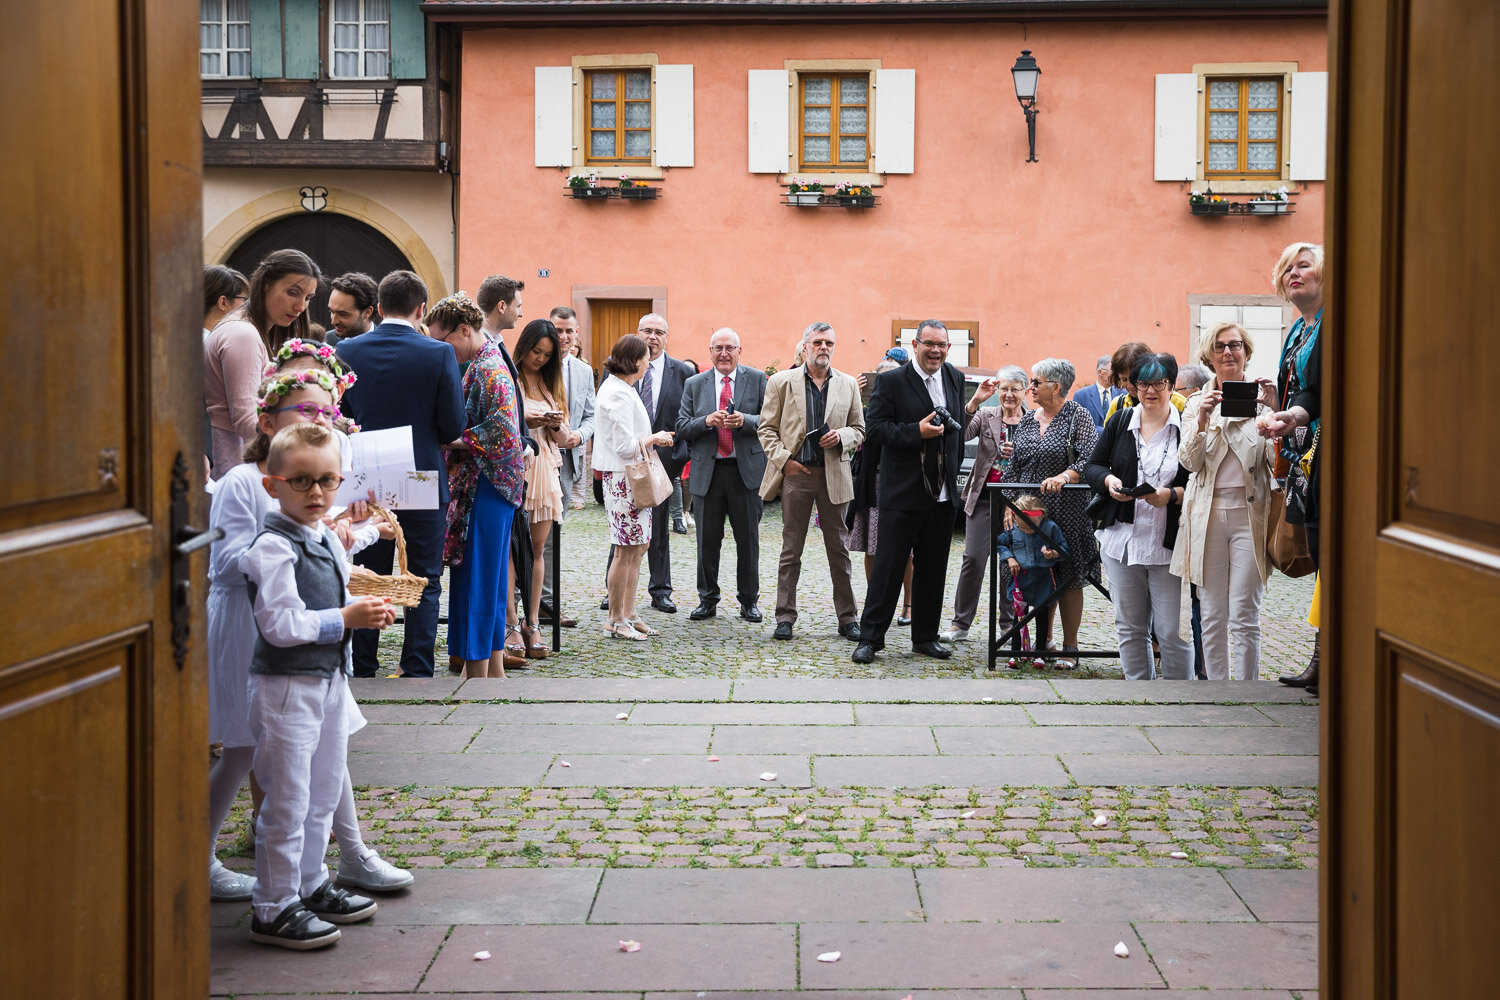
(719, 419)
(578, 386)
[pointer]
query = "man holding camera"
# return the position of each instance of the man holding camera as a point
(910, 417)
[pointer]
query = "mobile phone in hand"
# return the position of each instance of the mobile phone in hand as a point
(1239, 398)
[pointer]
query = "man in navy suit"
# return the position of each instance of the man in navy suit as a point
(406, 379)
(917, 491)
(720, 420)
(1097, 397)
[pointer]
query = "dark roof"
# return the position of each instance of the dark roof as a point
(643, 12)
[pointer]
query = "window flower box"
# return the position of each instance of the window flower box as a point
(854, 196)
(636, 190)
(804, 194)
(589, 193)
(1210, 207)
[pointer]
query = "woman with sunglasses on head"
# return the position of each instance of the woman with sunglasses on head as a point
(1222, 545)
(993, 426)
(1049, 447)
(1135, 471)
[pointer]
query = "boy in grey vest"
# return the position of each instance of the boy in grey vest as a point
(299, 692)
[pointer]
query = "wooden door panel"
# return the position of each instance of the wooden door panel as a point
(611, 319)
(64, 732)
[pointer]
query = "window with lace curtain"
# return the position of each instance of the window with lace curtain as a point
(834, 122)
(1244, 128)
(619, 122)
(224, 38)
(361, 39)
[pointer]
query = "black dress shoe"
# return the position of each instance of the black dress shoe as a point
(604, 604)
(864, 653)
(932, 648)
(664, 605)
(701, 612)
(783, 631)
(850, 630)
(1311, 689)
(751, 613)
(1308, 678)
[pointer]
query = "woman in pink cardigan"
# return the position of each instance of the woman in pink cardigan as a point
(235, 352)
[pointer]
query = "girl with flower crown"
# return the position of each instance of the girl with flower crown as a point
(240, 502)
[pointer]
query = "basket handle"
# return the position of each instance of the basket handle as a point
(395, 523)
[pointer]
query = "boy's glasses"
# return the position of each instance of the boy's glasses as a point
(311, 411)
(304, 483)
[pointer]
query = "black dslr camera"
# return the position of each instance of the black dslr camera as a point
(942, 418)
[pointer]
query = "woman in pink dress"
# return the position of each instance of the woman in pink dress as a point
(538, 358)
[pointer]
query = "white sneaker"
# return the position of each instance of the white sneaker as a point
(225, 886)
(374, 874)
(955, 635)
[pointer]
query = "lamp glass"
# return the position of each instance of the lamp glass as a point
(1025, 73)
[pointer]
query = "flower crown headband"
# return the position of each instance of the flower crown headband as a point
(459, 298)
(319, 352)
(287, 382)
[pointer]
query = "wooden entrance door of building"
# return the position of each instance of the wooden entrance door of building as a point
(103, 728)
(609, 320)
(1411, 717)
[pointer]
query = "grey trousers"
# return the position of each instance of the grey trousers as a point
(1147, 598)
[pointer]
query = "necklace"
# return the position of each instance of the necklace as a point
(1168, 454)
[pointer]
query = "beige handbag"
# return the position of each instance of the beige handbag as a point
(649, 485)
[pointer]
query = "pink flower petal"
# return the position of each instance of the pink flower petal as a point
(630, 946)
(563, 763)
(713, 760)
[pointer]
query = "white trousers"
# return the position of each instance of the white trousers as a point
(301, 739)
(1147, 598)
(1231, 591)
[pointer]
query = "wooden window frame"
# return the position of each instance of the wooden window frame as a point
(636, 169)
(835, 135)
(1234, 183)
(796, 68)
(223, 51)
(363, 24)
(620, 129)
(1242, 172)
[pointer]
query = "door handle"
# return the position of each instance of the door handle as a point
(190, 539)
(186, 540)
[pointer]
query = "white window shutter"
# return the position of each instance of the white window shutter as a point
(674, 116)
(1176, 126)
(554, 116)
(1309, 144)
(769, 124)
(895, 121)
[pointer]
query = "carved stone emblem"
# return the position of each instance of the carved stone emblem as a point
(314, 199)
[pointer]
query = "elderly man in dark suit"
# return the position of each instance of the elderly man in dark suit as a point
(1097, 397)
(917, 490)
(719, 419)
(406, 379)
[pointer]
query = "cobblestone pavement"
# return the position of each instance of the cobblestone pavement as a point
(729, 647)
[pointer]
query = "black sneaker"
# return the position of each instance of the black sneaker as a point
(297, 928)
(340, 906)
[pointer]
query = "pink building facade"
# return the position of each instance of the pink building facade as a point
(1094, 244)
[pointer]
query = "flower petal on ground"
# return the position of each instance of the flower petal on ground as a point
(1121, 951)
(1179, 855)
(623, 716)
(563, 763)
(830, 956)
(481, 956)
(630, 946)
(1100, 820)
(768, 776)
(712, 759)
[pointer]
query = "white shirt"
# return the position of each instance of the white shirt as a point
(935, 392)
(1139, 543)
(394, 319)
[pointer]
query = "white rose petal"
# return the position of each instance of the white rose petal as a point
(1121, 951)
(830, 956)
(1100, 820)
(967, 815)
(563, 763)
(630, 946)
(623, 716)
(768, 776)
(1179, 855)
(481, 956)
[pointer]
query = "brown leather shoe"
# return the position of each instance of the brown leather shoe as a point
(512, 661)
(544, 617)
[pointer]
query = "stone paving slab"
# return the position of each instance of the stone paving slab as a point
(676, 770)
(366, 958)
(566, 714)
(369, 690)
(386, 738)
(397, 714)
(1281, 741)
(1168, 995)
(744, 713)
(1042, 740)
(614, 738)
(772, 896)
(841, 740)
(1163, 692)
(564, 689)
(449, 770)
(1147, 715)
(588, 958)
(229, 914)
(1278, 896)
(1077, 895)
(941, 715)
(1293, 715)
(1229, 771)
(961, 956)
(944, 771)
(893, 690)
(1235, 956)
(499, 896)
(856, 995)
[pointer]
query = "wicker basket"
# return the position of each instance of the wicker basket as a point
(403, 588)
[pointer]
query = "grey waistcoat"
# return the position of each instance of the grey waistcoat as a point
(320, 585)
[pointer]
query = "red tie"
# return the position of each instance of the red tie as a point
(726, 436)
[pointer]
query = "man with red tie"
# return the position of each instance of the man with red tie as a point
(719, 418)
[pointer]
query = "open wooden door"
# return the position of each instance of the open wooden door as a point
(102, 707)
(1411, 720)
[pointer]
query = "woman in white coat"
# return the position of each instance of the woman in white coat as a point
(1222, 545)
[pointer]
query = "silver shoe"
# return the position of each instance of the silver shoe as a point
(955, 635)
(230, 887)
(374, 874)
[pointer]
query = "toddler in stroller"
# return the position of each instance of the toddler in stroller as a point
(1031, 554)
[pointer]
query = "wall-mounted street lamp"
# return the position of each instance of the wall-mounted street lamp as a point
(1026, 73)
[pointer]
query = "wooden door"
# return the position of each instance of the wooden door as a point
(102, 707)
(1411, 717)
(609, 320)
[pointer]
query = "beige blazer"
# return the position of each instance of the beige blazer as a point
(783, 425)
